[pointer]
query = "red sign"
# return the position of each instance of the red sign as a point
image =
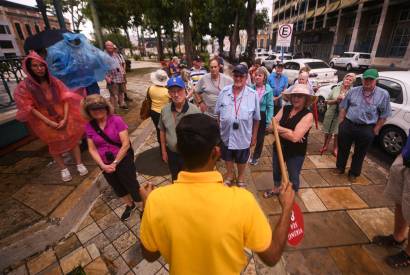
(297, 227)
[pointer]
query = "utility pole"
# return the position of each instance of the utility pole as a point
(96, 24)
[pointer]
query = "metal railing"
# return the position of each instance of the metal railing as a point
(11, 73)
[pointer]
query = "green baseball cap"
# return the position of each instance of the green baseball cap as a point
(371, 73)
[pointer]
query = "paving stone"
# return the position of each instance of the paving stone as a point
(109, 252)
(125, 241)
(15, 216)
(67, 246)
(120, 267)
(250, 268)
(133, 256)
(10, 184)
(40, 262)
(270, 206)
(308, 164)
(263, 180)
(78, 257)
(379, 254)
(21, 270)
(325, 161)
(100, 211)
(335, 198)
(116, 230)
(93, 251)
(313, 178)
(100, 241)
(32, 195)
(325, 229)
(89, 232)
(87, 221)
(372, 195)
(310, 261)
(53, 269)
(114, 203)
(27, 165)
(136, 229)
(97, 267)
(374, 221)
(334, 180)
(133, 219)
(314, 147)
(162, 271)
(262, 269)
(51, 175)
(108, 220)
(311, 200)
(353, 260)
(374, 174)
(35, 145)
(145, 267)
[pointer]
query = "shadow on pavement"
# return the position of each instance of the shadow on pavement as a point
(149, 163)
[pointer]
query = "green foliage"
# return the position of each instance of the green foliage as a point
(117, 38)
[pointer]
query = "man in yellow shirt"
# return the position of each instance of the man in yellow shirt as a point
(201, 226)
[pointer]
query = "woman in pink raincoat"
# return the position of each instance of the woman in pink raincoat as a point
(51, 111)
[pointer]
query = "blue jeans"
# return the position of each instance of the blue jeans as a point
(294, 165)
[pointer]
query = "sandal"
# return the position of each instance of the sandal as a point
(241, 184)
(401, 259)
(270, 193)
(228, 182)
(387, 241)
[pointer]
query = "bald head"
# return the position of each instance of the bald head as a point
(303, 78)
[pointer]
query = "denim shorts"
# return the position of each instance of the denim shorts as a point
(237, 156)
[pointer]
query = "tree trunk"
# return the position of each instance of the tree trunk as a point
(143, 41)
(234, 38)
(187, 38)
(221, 44)
(128, 39)
(171, 35)
(160, 48)
(251, 31)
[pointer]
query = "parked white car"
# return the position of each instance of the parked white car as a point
(261, 56)
(394, 133)
(320, 73)
(274, 59)
(351, 60)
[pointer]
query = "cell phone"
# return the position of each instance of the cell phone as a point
(235, 126)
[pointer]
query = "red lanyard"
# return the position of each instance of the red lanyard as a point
(239, 106)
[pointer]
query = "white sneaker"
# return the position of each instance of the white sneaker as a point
(65, 175)
(82, 170)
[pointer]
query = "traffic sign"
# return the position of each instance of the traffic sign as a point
(284, 36)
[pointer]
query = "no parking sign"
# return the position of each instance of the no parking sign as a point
(284, 36)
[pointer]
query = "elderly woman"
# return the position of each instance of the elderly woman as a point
(295, 121)
(265, 96)
(109, 146)
(208, 88)
(158, 93)
(51, 111)
(331, 121)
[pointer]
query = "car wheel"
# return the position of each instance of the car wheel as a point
(348, 67)
(321, 107)
(392, 139)
(332, 65)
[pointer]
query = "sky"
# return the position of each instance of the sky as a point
(87, 28)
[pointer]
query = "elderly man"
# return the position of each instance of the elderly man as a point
(199, 225)
(279, 83)
(237, 108)
(115, 78)
(170, 116)
(362, 114)
(197, 71)
(209, 86)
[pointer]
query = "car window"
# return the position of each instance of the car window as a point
(287, 57)
(317, 65)
(394, 89)
(347, 55)
(364, 56)
(292, 66)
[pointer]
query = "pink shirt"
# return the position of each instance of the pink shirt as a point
(115, 125)
(260, 91)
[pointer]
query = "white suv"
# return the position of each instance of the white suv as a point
(351, 60)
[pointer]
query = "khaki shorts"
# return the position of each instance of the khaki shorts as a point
(116, 88)
(398, 186)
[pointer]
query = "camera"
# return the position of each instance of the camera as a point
(109, 156)
(235, 126)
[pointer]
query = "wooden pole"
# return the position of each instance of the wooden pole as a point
(282, 166)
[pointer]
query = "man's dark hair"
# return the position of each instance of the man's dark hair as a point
(197, 135)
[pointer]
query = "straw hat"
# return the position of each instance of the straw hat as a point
(159, 77)
(299, 89)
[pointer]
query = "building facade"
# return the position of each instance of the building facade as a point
(324, 28)
(17, 22)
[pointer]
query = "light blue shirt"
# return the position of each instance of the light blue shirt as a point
(247, 105)
(362, 112)
(277, 84)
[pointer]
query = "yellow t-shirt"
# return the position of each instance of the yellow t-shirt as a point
(201, 226)
(159, 97)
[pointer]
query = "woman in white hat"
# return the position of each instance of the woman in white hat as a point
(158, 93)
(293, 122)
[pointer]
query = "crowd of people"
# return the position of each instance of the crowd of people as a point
(200, 117)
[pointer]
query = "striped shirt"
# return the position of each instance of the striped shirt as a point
(197, 74)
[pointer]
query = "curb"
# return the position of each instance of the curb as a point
(66, 217)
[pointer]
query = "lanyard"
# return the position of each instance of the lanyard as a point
(369, 97)
(239, 105)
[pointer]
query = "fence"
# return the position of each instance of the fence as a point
(11, 73)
